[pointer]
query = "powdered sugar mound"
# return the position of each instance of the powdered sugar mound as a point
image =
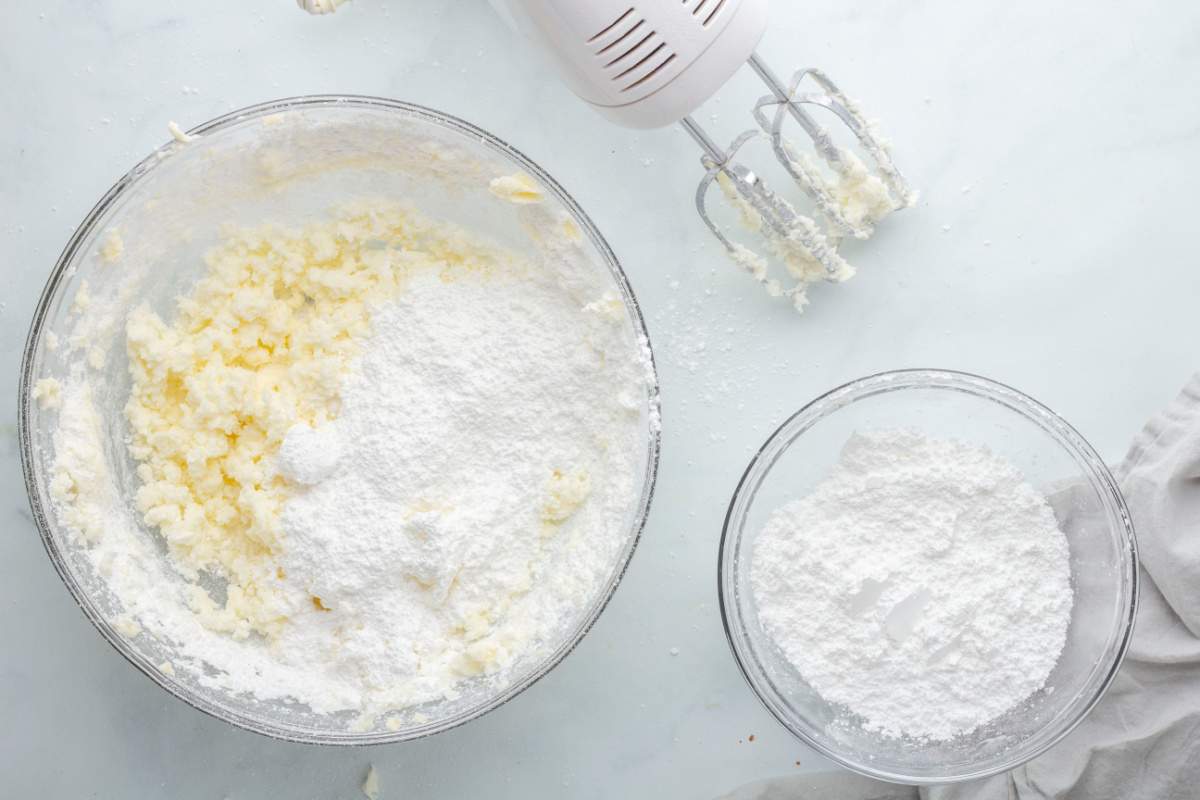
(923, 584)
(482, 497)
(310, 455)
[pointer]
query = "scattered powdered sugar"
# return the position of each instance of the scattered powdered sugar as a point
(924, 585)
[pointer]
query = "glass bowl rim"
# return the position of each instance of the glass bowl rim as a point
(54, 284)
(812, 412)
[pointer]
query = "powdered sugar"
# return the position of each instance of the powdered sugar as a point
(483, 493)
(923, 584)
(310, 455)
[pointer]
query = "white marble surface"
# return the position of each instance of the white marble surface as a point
(1076, 127)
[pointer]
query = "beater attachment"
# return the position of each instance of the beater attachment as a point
(876, 193)
(849, 197)
(790, 236)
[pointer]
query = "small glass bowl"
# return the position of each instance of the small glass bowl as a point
(284, 161)
(1052, 456)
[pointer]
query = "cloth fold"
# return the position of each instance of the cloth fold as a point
(1142, 741)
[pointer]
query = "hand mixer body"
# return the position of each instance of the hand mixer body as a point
(642, 63)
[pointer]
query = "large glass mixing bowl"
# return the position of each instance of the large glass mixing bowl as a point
(284, 162)
(1052, 456)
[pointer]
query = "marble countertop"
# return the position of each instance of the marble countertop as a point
(1056, 147)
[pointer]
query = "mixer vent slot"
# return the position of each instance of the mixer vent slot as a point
(707, 10)
(632, 52)
(615, 25)
(630, 42)
(662, 65)
(640, 62)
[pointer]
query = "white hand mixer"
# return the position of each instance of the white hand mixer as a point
(649, 63)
